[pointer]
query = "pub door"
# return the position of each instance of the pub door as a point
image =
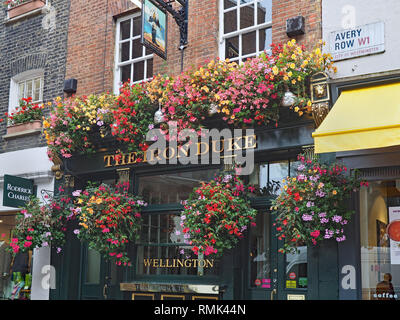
(273, 275)
(100, 279)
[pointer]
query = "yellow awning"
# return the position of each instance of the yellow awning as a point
(361, 119)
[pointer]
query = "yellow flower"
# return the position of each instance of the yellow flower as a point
(293, 81)
(290, 73)
(46, 124)
(90, 210)
(275, 70)
(296, 109)
(80, 201)
(99, 200)
(334, 192)
(292, 65)
(285, 78)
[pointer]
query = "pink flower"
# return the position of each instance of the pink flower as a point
(315, 233)
(106, 230)
(27, 244)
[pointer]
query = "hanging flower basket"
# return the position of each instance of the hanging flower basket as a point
(216, 215)
(109, 219)
(24, 7)
(312, 205)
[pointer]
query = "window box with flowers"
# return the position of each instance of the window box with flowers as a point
(26, 119)
(18, 8)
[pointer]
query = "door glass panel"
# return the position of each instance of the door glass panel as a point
(93, 267)
(296, 269)
(260, 258)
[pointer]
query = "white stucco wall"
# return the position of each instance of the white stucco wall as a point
(344, 14)
(31, 164)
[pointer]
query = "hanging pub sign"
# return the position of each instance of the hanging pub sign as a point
(17, 191)
(154, 27)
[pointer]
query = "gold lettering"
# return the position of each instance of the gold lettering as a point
(214, 149)
(170, 156)
(108, 159)
(211, 263)
(155, 263)
(202, 263)
(185, 152)
(195, 263)
(180, 262)
(207, 149)
(168, 265)
(234, 144)
(147, 262)
(131, 158)
(186, 263)
(250, 142)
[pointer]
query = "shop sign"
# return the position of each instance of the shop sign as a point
(290, 284)
(154, 28)
(359, 41)
(17, 191)
(292, 276)
(393, 231)
(225, 148)
(179, 263)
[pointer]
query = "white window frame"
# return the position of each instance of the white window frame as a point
(118, 65)
(239, 32)
(26, 76)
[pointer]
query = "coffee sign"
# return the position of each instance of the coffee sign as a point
(17, 191)
(359, 41)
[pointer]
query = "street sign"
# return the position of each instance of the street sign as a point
(359, 41)
(17, 191)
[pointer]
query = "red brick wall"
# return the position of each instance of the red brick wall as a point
(285, 9)
(202, 38)
(91, 38)
(91, 43)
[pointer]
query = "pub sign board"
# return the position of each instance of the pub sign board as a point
(356, 42)
(17, 191)
(154, 27)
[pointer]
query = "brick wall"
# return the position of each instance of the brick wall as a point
(285, 9)
(36, 42)
(91, 39)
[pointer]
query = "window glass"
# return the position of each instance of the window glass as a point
(132, 58)
(247, 28)
(31, 88)
(380, 241)
(246, 16)
(173, 187)
(162, 248)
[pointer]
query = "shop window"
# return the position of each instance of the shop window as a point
(173, 187)
(380, 241)
(133, 61)
(245, 28)
(162, 248)
(268, 176)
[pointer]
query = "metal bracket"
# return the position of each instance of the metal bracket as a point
(181, 17)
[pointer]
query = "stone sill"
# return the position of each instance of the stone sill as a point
(44, 9)
(21, 134)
